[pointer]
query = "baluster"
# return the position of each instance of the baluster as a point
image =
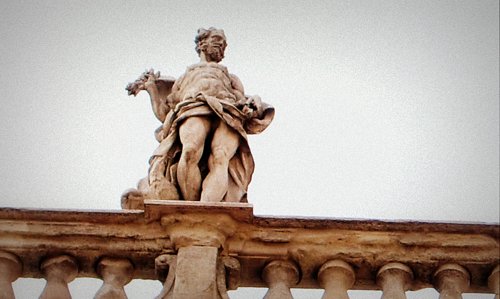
(280, 276)
(336, 277)
(228, 275)
(395, 280)
(494, 281)
(165, 266)
(115, 273)
(10, 269)
(58, 271)
(451, 280)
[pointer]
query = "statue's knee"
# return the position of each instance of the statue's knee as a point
(191, 154)
(219, 155)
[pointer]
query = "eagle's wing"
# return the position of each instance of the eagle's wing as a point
(164, 85)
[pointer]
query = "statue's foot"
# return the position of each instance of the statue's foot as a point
(163, 190)
(132, 199)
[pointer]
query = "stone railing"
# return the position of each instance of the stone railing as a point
(203, 250)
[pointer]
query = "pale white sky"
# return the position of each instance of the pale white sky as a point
(384, 109)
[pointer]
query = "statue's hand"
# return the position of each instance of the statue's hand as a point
(146, 80)
(253, 107)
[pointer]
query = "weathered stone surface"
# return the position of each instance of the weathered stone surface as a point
(156, 209)
(142, 236)
(196, 273)
(203, 153)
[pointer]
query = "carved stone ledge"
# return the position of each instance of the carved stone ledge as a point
(367, 245)
(198, 224)
(198, 230)
(155, 209)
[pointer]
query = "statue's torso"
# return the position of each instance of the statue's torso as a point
(210, 78)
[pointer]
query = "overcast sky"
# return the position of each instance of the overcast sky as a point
(384, 109)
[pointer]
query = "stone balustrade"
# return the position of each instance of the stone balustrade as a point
(203, 250)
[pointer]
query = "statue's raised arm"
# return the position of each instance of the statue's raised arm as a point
(158, 88)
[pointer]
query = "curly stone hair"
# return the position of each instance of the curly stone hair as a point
(203, 34)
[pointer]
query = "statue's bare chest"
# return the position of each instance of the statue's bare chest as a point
(209, 78)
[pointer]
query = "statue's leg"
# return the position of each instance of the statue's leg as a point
(224, 145)
(192, 133)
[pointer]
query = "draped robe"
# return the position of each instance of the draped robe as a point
(205, 90)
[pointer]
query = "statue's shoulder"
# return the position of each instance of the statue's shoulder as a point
(207, 65)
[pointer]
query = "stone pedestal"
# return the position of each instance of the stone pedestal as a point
(196, 273)
(197, 231)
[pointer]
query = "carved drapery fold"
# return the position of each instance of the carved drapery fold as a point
(10, 269)
(451, 280)
(394, 279)
(280, 276)
(58, 271)
(115, 273)
(336, 277)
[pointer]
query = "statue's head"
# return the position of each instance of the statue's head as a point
(211, 42)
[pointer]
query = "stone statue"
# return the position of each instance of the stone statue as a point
(203, 153)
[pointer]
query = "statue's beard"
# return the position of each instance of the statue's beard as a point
(215, 53)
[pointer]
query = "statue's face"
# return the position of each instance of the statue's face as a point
(215, 46)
